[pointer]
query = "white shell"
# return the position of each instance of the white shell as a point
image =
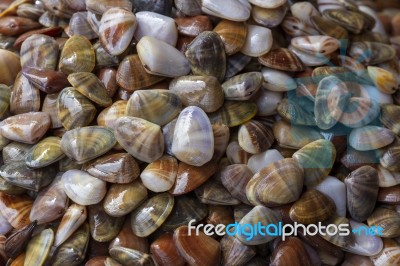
(5, 226)
(268, 3)
(372, 92)
(193, 141)
(235, 10)
(364, 245)
(304, 11)
(73, 218)
(156, 25)
(276, 80)
(258, 41)
(316, 45)
(160, 58)
(83, 188)
(267, 101)
(258, 161)
(336, 190)
(309, 59)
(160, 175)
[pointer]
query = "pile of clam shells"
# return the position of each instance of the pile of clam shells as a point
(124, 120)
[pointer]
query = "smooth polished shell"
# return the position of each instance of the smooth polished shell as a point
(227, 9)
(254, 137)
(44, 153)
(384, 80)
(39, 51)
(165, 252)
(24, 96)
(281, 59)
(293, 136)
(319, 44)
(26, 128)
(15, 209)
(329, 27)
(352, 21)
(38, 248)
(47, 80)
(103, 227)
(258, 41)
(234, 113)
(5, 94)
(387, 219)
(235, 177)
(158, 26)
(233, 35)
(151, 214)
(16, 243)
(370, 138)
(269, 17)
(140, 138)
(160, 175)
(371, 53)
(109, 115)
(127, 256)
(116, 30)
(193, 141)
(389, 114)
(83, 188)
(72, 219)
(243, 86)
(292, 249)
(77, 55)
(359, 112)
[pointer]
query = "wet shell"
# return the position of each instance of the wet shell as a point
(77, 55)
(131, 74)
(390, 157)
(83, 188)
(5, 94)
(27, 128)
(292, 249)
(389, 195)
(216, 194)
(99, 7)
(304, 11)
(371, 53)
(161, 27)
(203, 51)
(330, 101)
(17, 242)
(328, 27)
(193, 141)
(235, 252)
(103, 228)
(156, 55)
(73, 218)
(50, 204)
(236, 63)
(160, 175)
(359, 112)
(387, 219)
(269, 17)
(126, 238)
(165, 252)
(190, 177)
(15, 209)
(50, 106)
(362, 191)
(235, 178)
(384, 80)
(128, 256)
(39, 51)
(259, 214)
(189, 244)
(39, 247)
(74, 109)
(321, 44)
(243, 86)
(294, 113)
(336, 238)
(292, 136)
(109, 115)
(156, 106)
(390, 254)
(90, 86)
(79, 25)
(15, 152)
(121, 199)
(276, 80)
(24, 96)
(296, 27)
(370, 138)
(258, 41)
(151, 214)
(389, 114)
(352, 21)
(13, 25)
(234, 113)
(140, 138)
(312, 207)
(281, 59)
(233, 35)
(46, 152)
(227, 9)
(201, 91)
(47, 80)
(84, 144)
(116, 30)
(254, 137)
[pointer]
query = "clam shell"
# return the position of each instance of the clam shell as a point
(275, 80)
(279, 183)
(24, 96)
(156, 25)
(254, 137)
(128, 256)
(188, 7)
(119, 168)
(47, 80)
(39, 51)
(108, 76)
(390, 158)
(201, 91)
(234, 113)
(203, 51)
(352, 21)
(214, 193)
(109, 115)
(151, 214)
(156, 106)
(387, 178)
(292, 249)
(90, 86)
(336, 238)
(258, 41)
(77, 55)
(388, 255)
(127, 239)
(387, 219)
(17, 242)
(83, 188)
(44, 153)
(131, 74)
(371, 53)
(227, 9)
(103, 228)
(85, 144)
(188, 244)
(10, 66)
(309, 59)
(329, 27)
(193, 141)
(295, 27)
(79, 25)
(262, 215)
(99, 7)
(359, 112)
(281, 59)
(160, 175)
(15, 209)
(312, 207)
(319, 44)
(362, 191)
(235, 252)
(292, 136)
(304, 11)
(27, 128)
(73, 251)
(103, 58)
(270, 4)
(335, 189)
(235, 178)
(258, 161)
(243, 86)
(221, 138)
(72, 219)
(10, 189)
(389, 113)
(389, 195)
(365, 245)
(116, 30)
(73, 109)
(294, 113)
(38, 248)
(190, 177)
(233, 35)
(121, 199)
(384, 80)
(140, 138)
(236, 63)
(50, 204)
(4, 100)
(165, 252)
(155, 55)
(269, 17)
(370, 138)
